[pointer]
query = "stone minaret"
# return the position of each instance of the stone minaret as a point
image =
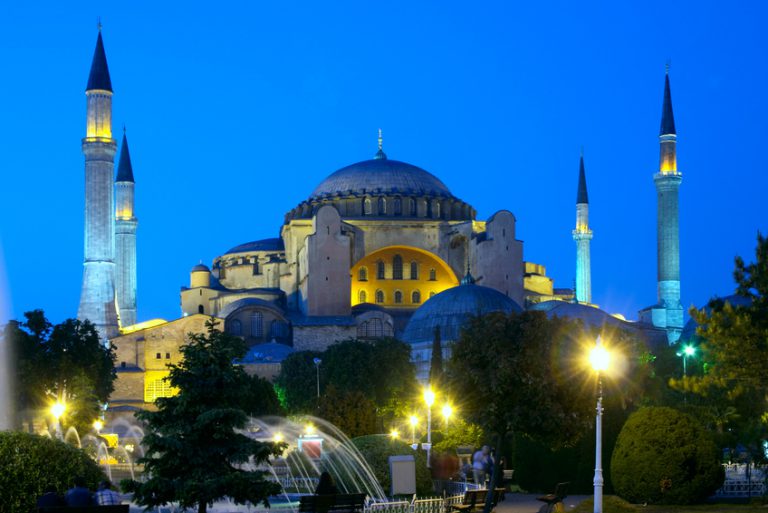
(582, 235)
(97, 299)
(667, 182)
(125, 238)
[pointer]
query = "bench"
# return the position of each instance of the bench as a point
(551, 500)
(115, 508)
(474, 500)
(337, 503)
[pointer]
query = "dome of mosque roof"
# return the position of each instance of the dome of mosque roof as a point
(452, 308)
(201, 268)
(589, 315)
(381, 176)
(275, 244)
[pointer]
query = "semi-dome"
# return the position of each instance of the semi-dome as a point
(452, 308)
(380, 176)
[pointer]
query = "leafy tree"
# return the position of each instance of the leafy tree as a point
(513, 374)
(665, 456)
(29, 463)
(352, 412)
(67, 362)
(436, 364)
(459, 433)
(297, 381)
(196, 449)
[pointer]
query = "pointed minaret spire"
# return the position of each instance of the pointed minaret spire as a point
(380, 154)
(667, 116)
(124, 167)
(99, 80)
(582, 235)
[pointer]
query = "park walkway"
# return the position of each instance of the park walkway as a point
(527, 503)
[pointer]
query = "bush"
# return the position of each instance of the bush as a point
(611, 504)
(664, 456)
(30, 463)
(376, 449)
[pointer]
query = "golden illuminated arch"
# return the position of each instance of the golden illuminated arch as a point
(411, 288)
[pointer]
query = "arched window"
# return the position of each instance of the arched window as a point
(379, 296)
(398, 297)
(382, 206)
(372, 328)
(432, 275)
(436, 210)
(398, 207)
(362, 274)
(397, 267)
(200, 309)
(414, 270)
(380, 270)
(412, 207)
(236, 328)
(256, 269)
(367, 207)
(257, 325)
(362, 297)
(415, 297)
(278, 329)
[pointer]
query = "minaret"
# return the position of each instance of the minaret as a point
(125, 238)
(667, 182)
(582, 235)
(97, 299)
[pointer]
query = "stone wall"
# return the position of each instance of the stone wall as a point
(319, 338)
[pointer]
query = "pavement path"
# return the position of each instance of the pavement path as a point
(527, 503)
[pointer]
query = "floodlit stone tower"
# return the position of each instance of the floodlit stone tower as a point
(582, 235)
(125, 237)
(668, 312)
(97, 297)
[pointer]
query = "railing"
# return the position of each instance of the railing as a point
(742, 481)
(432, 505)
(442, 486)
(389, 507)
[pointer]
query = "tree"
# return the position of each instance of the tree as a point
(513, 374)
(196, 449)
(297, 381)
(350, 411)
(67, 362)
(436, 364)
(665, 456)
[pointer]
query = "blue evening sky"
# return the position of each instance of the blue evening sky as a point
(235, 111)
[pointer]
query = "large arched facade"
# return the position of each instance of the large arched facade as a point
(399, 277)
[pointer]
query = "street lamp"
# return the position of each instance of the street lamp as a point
(429, 399)
(317, 362)
(599, 358)
(57, 410)
(414, 420)
(687, 351)
(394, 434)
(98, 425)
(447, 412)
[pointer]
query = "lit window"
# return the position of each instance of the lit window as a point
(416, 297)
(362, 274)
(414, 271)
(398, 297)
(361, 297)
(397, 268)
(379, 296)
(367, 208)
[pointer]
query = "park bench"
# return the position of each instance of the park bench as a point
(115, 508)
(474, 500)
(337, 503)
(553, 499)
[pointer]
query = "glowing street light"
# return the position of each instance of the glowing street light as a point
(688, 350)
(394, 434)
(98, 425)
(600, 359)
(309, 429)
(277, 438)
(414, 421)
(447, 412)
(57, 410)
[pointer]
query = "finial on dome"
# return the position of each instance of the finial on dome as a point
(380, 154)
(468, 279)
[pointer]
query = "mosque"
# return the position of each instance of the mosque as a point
(380, 248)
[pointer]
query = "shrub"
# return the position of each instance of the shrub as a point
(611, 504)
(29, 463)
(376, 449)
(665, 456)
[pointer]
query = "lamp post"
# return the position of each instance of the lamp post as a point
(687, 351)
(317, 362)
(429, 399)
(599, 358)
(414, 420)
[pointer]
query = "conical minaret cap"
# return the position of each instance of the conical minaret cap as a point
(99, 77)
(581, 193)
(667, 117)
(124, 167)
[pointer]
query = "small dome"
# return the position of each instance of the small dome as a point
(271, 352)
(381, 175)
(201, 268)
(452, 308)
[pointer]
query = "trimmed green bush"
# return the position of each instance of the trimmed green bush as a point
(664, 456)
(376, 449)
(29, 463)
(611, 504)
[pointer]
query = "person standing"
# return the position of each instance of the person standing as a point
(106, 496)
(481, 462)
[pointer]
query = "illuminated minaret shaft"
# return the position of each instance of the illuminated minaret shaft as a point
(97, 298)
(583, 235)
(668, 181)
(125, 237)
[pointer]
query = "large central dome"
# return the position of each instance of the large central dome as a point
(381, 176)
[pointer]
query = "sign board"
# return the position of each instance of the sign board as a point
(402, 470)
